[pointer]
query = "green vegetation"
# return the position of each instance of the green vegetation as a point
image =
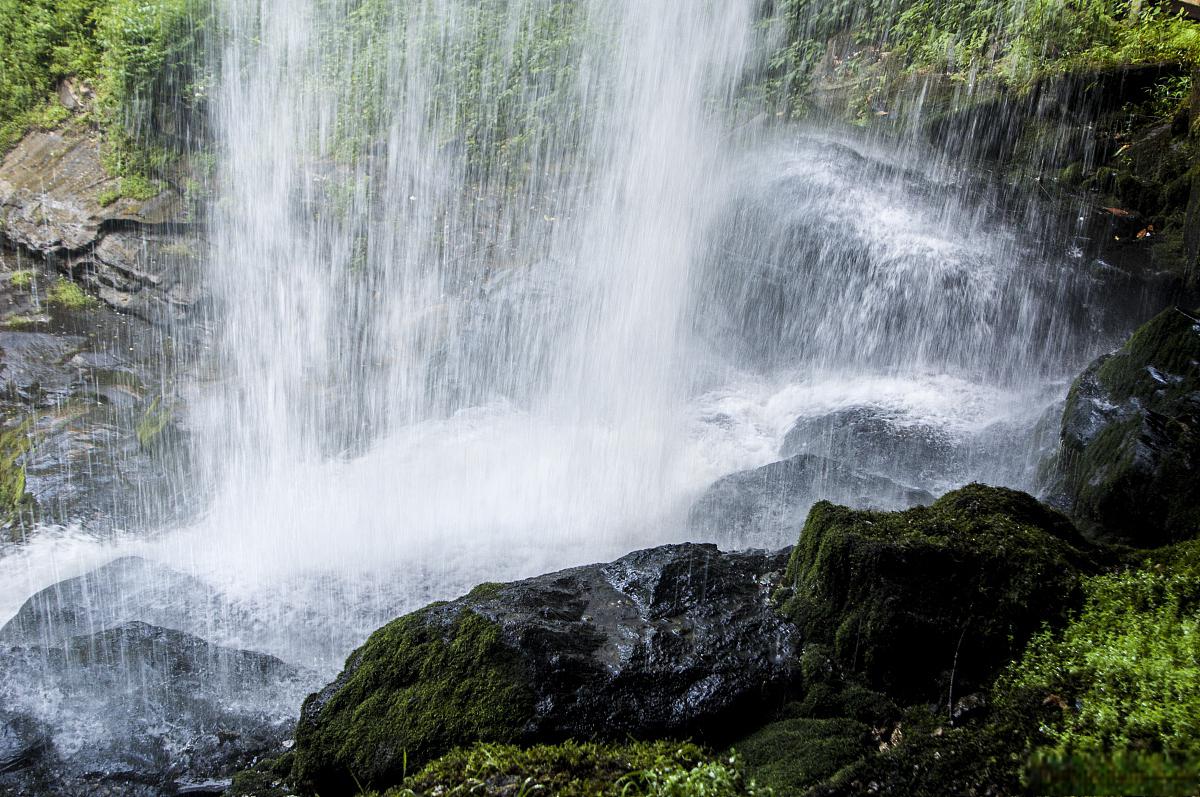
(22, 278)
(933, 599)
(1125, 672)
(140, 59)
(581, 769)
(152, 423)
(1014, 44)
(419, 687)
(498, 73)
(67, 295)
(14, 443)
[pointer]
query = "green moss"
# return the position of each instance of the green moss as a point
(21, 322)
(152, 423)
(934, 599)
(67, 295)
(22, 278)
(1126, 671)
(792, 755)
(581, 769)
(14, 444)
(420, 686)
(137, 187)
(1169, 344)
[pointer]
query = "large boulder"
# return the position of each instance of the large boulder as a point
(124, 590)
(764, 506)
(1130, 446)
(143, 710)
(876, 440)
(929, 603)
(680, 640)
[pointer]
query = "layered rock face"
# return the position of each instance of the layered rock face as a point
(93, 288)
(55, 203)
(1131, 437)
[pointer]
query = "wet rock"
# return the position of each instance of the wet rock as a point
(877, 441)
(674, 641)
(139, 709)
(933, 601)
(1130, 442)
(767, 506)
(133, 254)
(124, 590)
(86, 384)
(22, 741)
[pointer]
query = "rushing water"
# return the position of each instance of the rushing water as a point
(502, 287)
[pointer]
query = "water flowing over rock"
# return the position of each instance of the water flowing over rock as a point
(766, 505)
(125, 590)
(677, 641)
(876, 441)
(1131, 436)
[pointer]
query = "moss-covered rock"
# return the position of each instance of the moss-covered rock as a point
(930, 602)
(1131, 436)
(678, 641)
(14, 445)
(791, 755)
(420, 686)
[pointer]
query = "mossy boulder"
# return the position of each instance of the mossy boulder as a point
(792, 755)
(680, 641)
(1131, 437)
(928, 603)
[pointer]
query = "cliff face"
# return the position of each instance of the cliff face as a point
(92, 290)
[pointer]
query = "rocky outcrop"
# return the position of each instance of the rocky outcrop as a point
(59, 204)
(766, 505)
(933, 601)
(109, 694)
(674, 641)
(1130, 444)
(88, 392)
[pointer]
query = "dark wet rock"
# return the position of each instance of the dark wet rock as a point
(91, 390)
(124, 590)
(929, 603)
(22, 741)
(1130, 444)
(139, 709)
(680, 640)
(875, 440)
(767, 506)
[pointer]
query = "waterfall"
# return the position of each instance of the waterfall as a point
(502, 286)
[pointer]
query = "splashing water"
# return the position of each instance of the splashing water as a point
(502, 287)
